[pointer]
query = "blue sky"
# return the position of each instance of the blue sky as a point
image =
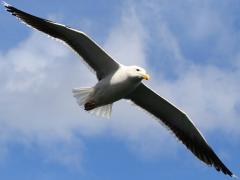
(191, 50)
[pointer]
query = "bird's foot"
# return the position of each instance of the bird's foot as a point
(89, 105)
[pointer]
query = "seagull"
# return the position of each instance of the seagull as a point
(117, 81)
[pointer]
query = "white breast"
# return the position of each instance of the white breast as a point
(113, 88)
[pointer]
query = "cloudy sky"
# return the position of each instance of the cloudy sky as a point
(191, 50)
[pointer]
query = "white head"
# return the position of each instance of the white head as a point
(137, 73)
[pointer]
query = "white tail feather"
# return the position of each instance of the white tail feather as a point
(102, 111)
(82, 94)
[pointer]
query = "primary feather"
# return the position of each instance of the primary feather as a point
(89, 50)
(179, 123)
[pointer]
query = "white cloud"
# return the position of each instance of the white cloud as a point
(207, 92)
(126, 40)
(209, 95)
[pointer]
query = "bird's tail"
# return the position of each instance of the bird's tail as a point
(102, 111)
(82, 96)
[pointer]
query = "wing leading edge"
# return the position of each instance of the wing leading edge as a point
(179, 124)
(90, 51)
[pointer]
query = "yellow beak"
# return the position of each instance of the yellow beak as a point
(146, 77)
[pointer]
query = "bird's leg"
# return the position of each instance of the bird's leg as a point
(89, 105)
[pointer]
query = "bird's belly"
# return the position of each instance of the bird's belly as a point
(106, 94)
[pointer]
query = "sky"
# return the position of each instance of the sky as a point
(191, 50)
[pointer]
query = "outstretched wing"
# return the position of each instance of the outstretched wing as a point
(178, 122)
(92, 53)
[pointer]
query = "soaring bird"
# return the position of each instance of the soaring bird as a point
(117, 81)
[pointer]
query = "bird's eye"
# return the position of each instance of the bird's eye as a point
(137, 69)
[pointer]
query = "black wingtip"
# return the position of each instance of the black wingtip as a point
(231, 174)
(10, 8)
(226, 171)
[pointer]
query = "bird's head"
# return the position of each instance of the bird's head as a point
(137, 73)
